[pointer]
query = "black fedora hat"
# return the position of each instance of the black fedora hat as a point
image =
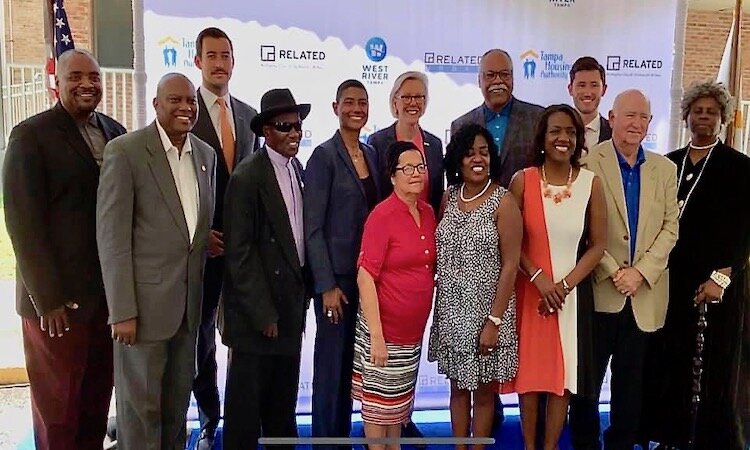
(275, 102)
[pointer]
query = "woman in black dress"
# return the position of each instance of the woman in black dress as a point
(708, 264)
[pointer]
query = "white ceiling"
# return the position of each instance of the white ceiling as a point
(718, 5)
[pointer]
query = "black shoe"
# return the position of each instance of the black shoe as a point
(410, 430)
(206, 439)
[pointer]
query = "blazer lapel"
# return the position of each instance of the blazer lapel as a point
(162, 174)
(277, 214)
(204, 190)
(69, 130)
(648, 187)
(344, 155)
(241, 132)
(370, 159)
(613, 180)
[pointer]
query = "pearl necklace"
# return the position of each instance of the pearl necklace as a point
(481, 193)
(557, 197)
(683, 203)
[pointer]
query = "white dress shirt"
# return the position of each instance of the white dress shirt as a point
(185, 178)
(214, 111)
(592, 132)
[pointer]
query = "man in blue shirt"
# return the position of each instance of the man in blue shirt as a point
(511, 121)
(631, 280)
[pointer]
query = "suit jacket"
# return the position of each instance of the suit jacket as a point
(605, 131)
(335, 210)
(263, 280)
(433, 149)
(519, 135)
(151, 270)
(657, 235)
(246, 142)
(50, 179)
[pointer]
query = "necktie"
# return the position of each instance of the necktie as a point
(227, 138)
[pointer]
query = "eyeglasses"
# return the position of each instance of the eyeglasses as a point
(490, 75)
(409, 98)
(408, 169)
(286, 127)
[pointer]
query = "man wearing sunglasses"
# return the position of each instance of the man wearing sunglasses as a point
(510, 121)
(265, 279)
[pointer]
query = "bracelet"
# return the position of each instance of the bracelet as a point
(536, 274)
(720, 279)
(566, 286)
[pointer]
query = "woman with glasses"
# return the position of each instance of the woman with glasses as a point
(473, 336)
(408, 103)
(395, 280)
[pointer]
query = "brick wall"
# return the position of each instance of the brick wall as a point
(24, 23)
(705, 38)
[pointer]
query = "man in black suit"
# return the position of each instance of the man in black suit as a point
(510, 121)
(223, 123)
(588, 84)
(50, 178)
(265, 285)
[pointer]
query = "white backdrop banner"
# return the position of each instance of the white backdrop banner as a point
(311, 47)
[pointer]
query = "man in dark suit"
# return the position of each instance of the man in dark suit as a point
(154, 209)
(223, 123)
(588, 84)
(341, 188)
(510, 121)
(50, 178)
(265, 288)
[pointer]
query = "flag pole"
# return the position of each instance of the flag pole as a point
(735, 73)
(49, 62)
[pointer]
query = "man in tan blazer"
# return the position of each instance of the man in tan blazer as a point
(631, 281)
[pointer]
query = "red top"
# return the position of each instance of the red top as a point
(400, 256)
(419, 142)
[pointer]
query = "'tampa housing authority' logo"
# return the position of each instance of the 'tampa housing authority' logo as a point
(177, 52)
(544, 64)
(376, 50)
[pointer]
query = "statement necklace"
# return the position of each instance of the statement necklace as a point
(682, 203)
(557, 197)
(481, 193)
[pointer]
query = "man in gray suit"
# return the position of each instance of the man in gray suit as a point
(510, 121)
(154, 209)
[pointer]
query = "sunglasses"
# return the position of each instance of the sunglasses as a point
(286, 127)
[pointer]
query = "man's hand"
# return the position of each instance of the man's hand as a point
(215, 243)
(55, 321)
(627, 281)
(124, 332)
(332, 307)
(271, 331)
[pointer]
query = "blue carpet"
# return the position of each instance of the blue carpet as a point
(432, 424)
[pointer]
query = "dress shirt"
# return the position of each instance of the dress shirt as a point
(631, 184)
(214, 111)
(185, 178)
(286, 176)
(94, 137)
(592, 132)
(497, 123)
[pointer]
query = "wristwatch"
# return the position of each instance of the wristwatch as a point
(720, 279)
(495, 320)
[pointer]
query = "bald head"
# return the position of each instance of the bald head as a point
(176, 106)
(78, 80)
(629, 118)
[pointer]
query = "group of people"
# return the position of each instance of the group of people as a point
(548, 254)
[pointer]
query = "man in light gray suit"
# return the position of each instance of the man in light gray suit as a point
(154, 208)
(510, 121)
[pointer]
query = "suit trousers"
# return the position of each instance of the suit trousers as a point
(260, 399)
(616, 335)
(152, 387)
(70, 380)
(332, 363)
(205, 385)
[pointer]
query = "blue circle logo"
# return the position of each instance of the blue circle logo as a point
(376, 49)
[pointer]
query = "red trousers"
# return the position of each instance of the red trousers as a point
(71, 383)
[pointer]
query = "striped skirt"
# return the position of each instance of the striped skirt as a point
(386, 393)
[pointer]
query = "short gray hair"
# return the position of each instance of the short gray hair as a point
(411, 75)
(715, 90)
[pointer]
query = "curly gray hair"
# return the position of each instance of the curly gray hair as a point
(712, 89)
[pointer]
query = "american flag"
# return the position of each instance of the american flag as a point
(63, 35)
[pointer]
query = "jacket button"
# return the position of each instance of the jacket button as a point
(626, 263)
(273, 240)
(276, 272)
(626, 237)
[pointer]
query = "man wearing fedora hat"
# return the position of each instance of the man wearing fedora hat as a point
(265, 279)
